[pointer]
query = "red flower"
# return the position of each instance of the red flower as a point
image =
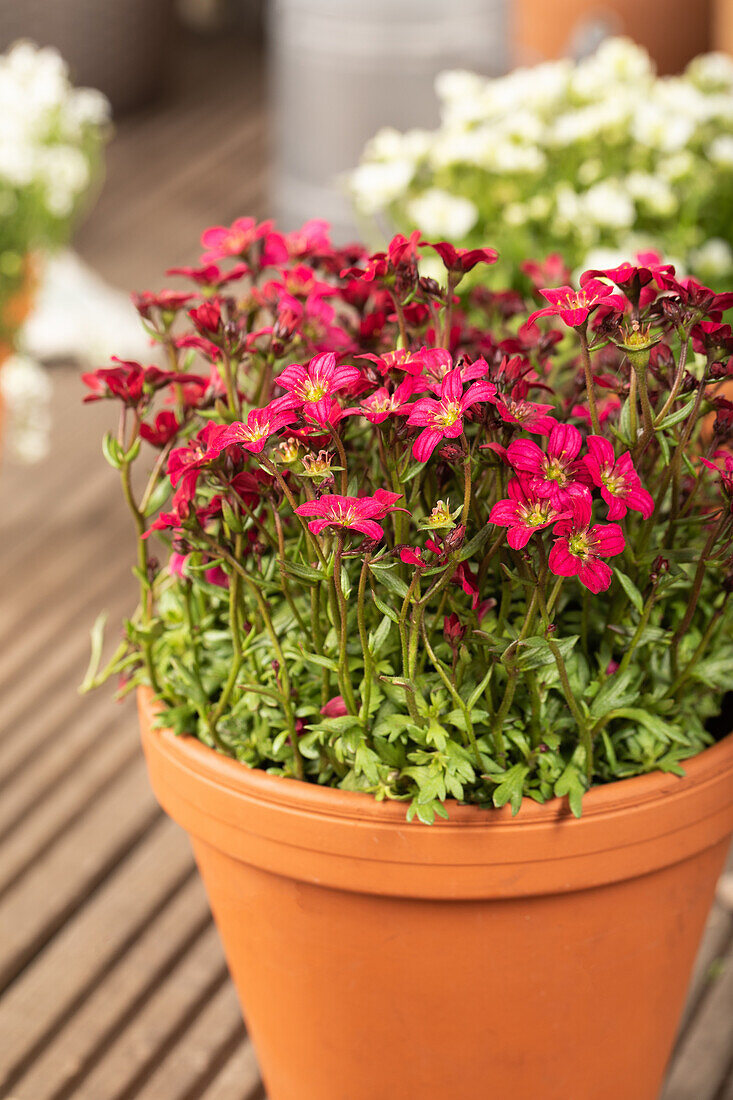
(460, 260)
(207, 317)
(523, 513)
(211, 275)
(380, 404)
(443, 419)
(619, 482)
(632, 278)
(350, 513)
(725, 472)
(130, 382)
(260, 425)
(526, 414)
(312, 238)
(238, 238)
(552, 271)
(558, 474)
(167, 301)
(162, 430)
(574, 306)
(185, 463)
(311, 388)
(605, 406)
(578, 550)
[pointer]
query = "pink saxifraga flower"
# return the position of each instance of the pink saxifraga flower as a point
(443, 418)
(260, 425)
(574, 306)
(525, 414)
(617, 479)
(523, 513)
(557, 474)
(580, 545)
(311, 388)
(238, 238)
(350, 513)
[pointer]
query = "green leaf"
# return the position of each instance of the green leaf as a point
(380, 635)
(511, 787)
(630, 589)
(617, 691)
(112, 451)
(572, 783)
(318, 659)
(158, 497)
(385, 608)
(301, 572)
(679, 415)
(536, 653)
(386, 577)
(95, 657)
(471, 548)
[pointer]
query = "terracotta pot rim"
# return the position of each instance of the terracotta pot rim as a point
(331, 802)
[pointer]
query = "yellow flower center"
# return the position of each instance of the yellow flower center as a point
(451, 412)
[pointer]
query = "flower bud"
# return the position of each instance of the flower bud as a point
(455, 539)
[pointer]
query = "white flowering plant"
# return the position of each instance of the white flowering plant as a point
(596, 160)
(51, 141)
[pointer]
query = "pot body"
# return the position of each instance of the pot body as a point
(673, 31)
(484, 955)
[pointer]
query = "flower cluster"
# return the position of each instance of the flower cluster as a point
(426, 542)
(595, 160)
(51, 138)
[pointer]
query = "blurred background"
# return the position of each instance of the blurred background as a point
(111, 979)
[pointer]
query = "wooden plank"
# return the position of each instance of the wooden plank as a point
(171, 1008)
(82, 1044)
(56, 885)
(701, 1066)
(238, 1079)
(215, 1036)
(36, 723)
(70, 731)
(61, 979)
(62, 655)
(62, 807)
(718, 933)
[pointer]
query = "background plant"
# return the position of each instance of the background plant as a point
(51, 139)
(400, 539)
(595, 160)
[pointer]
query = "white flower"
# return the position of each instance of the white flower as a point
(657, 128)
(676, 166)
(608, 205)
(442, 215)
(26, 392)
(376, 184)
(390, 144)
(720, 151)
(516, 213)
(616, 61)
(651, 193)
(713, 72)
(713, 259)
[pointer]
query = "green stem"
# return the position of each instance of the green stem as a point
(589, 382)
(344, 673)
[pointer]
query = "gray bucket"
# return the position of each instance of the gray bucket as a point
(341, 69)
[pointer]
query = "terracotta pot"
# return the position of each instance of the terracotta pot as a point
(674, 31)
(540, 955)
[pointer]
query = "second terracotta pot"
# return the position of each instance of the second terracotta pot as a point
(536, 956)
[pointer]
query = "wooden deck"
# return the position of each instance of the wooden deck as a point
(113, 982)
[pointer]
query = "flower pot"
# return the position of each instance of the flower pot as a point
(673, 31)
(536, 955)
